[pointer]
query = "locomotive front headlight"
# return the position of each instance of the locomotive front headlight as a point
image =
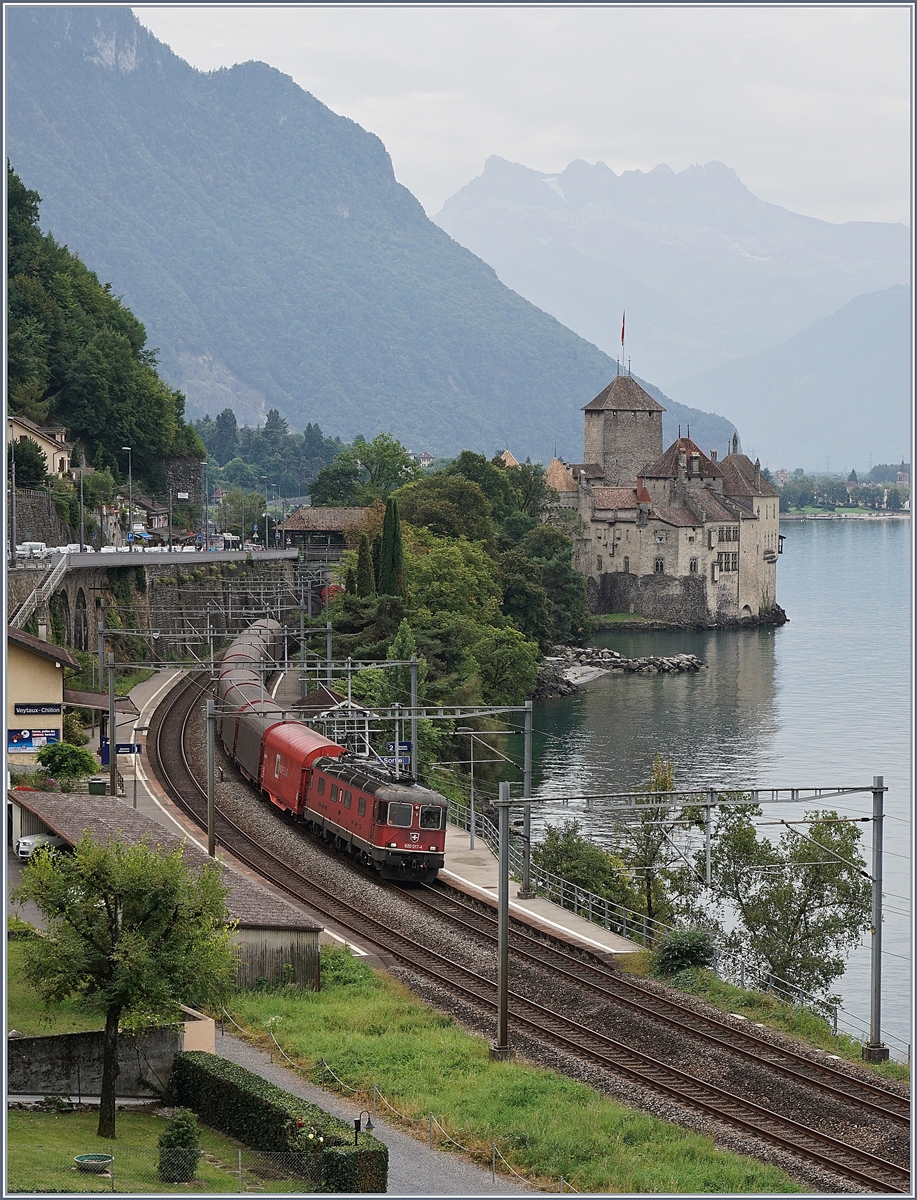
(431, 847)
(393, 845)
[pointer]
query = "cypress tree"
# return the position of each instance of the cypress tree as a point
(366, 580)
(376, 557)
(350, 582)
(391, 553)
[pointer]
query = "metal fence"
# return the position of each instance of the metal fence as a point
(127, 1170)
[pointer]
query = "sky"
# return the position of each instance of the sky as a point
(809, 104)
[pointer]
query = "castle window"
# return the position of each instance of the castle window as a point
(728, 560)
(658, 566)
(690, 537)
(598, 563)
(692, 566)
(626, 564)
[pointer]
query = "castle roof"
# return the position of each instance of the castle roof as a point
(508, 459)
(609, 498)
(624, 394)
(592, 470)
(558, 477)
(742, 477)
(667, 466)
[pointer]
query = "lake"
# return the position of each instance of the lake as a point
(822, 701)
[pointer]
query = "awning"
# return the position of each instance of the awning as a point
(138, 533)
(98, 701)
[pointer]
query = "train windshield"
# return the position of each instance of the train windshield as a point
(400, 815)
(431, 817)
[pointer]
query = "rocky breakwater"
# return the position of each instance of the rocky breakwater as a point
(568, 668)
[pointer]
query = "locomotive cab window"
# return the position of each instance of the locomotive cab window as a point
(431, 817)
(321, 785)
(348, 797)
(361, 807)
(334, 792)
(400, 815)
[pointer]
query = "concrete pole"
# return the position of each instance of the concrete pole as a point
(328, 645)
(876, 1050)
(112, 729)
(500, 1048)
(525, 892)
(711, 796)
(211, 731)
(471, 797)
(415, 769)
(13, 505)
(82, 522)
(397, 739)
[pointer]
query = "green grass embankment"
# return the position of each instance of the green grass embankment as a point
(371, 1030)
(768, 1010)
(23, 1010)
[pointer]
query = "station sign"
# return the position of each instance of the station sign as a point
(390, 746)
(37, 710)
(390, 761)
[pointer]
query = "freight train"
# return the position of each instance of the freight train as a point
(395, 826)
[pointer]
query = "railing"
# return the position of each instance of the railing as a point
(41, 592)
(599, 910)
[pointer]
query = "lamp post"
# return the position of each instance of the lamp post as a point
(267, 516)
(358, 1125)
(82, 525)
(13, 503)
(130, 498)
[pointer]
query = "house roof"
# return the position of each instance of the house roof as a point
(322, 520)
(742, 477)
(48, 432)
(624, 394)
(27, 642)
(667, 466)
(71, 815)
(558, 477)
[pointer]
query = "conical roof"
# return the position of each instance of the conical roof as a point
(558, 477)
(508, 458)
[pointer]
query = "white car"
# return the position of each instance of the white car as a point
(26, 846)
(109, 550)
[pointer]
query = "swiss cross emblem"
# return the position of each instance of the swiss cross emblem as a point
(415, 837)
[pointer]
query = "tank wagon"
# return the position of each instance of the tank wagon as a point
(394, 825)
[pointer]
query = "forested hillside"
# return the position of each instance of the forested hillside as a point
(275, 258)
(78, 357)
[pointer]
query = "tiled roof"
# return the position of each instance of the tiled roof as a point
(593, 470)
(615, 497)
(667, 466)
(37, 646)
(508, 458)
(738, 473)
(99, 702)
(322, 520)
(676, 514)
(70, 816)
(558, 477)
(624, 394)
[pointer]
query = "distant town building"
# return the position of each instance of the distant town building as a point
(904, 475)
(676, 536)
(425, 459)
(51, 439)
(782, 478)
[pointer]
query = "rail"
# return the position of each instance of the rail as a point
(41, 592)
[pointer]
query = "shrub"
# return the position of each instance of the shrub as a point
(73, 731)
(178, 1148)
(66, 761)
(236, 1101)
(683, 948)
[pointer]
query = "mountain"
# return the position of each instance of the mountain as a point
(838, 392)
(270, 252)
(706, 271)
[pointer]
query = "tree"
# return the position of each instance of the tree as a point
(225, 441)
(449, 505)
(567, 852)
(508, 665)
(524, 598)
(391, 553)
(31, 467)
(398, 679)
(133, 932)
(568, 616)
(61, 760)
(800, 901)
(336, 483)
(366, 580)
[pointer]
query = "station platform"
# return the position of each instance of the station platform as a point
(476, 872)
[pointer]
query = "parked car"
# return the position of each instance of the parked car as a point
(26, 846)
(109, 550)
(33, 550)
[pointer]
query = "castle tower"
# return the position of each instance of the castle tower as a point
(623, 431)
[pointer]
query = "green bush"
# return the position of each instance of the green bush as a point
(178, 1148)
(74, 734)
(680, 949)
(228, 1097)
(65, 761)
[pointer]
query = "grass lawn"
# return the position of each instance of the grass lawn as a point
(41, 1148)
(629, 618)
(23, 1011)
(371, 1030)
(768, 1010)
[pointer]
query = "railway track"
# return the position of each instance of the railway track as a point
(170, 762)
(451, 905)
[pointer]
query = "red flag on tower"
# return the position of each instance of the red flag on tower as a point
(623, 315)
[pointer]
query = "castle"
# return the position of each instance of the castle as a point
(676, 536)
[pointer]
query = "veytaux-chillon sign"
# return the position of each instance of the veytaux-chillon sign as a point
(37, 710)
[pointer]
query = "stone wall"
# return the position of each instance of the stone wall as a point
(37, 520)
(622, 443)
(682, 600)
(70, 1064)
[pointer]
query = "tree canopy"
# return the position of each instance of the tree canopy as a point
(77, 356)
(132, 932)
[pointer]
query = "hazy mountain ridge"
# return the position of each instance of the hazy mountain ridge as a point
(837, 392)
(271, 254)
(706, 270)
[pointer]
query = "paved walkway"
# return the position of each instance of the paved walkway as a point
(414, 1169)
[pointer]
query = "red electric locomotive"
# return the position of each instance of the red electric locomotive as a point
(393, 825)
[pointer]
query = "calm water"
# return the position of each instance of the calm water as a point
(822, 701)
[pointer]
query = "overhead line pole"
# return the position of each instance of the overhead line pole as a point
(876, 1050)
(500, 1048)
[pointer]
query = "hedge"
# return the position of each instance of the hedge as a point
(236, 1101)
